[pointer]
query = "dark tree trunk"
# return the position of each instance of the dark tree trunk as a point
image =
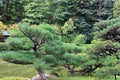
(72, 72)
(70, 69)
(42, 74)
(90, 69)
(35, 48)
(86, 70)
(39, 70)
(115, 76)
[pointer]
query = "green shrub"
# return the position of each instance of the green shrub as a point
(79, 39)
(65, 39)
(17, 57)
(94, 41)
(14, 78)
(3, 47)
(61, 72)
(116, 9)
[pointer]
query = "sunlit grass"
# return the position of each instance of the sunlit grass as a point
(9, 69)
(74, 78)
(84, 78)
(14, 78)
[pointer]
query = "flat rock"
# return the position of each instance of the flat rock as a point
(37, 77)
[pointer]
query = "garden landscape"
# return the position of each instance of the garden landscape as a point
(59, 39)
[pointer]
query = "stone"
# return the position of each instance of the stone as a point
(37, 77)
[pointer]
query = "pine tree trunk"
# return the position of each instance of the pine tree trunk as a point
(42, 74)
(115, 76)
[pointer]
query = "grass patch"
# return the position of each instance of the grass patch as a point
(14, 78)
(83, 78)
(111, 78)
(74, 78)
(9, 69)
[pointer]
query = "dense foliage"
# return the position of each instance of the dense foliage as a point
(11, 11)
(108, 30)
(81, 37)
(116, 8)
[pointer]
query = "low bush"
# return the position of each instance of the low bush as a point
(3, 47)
(18, 57)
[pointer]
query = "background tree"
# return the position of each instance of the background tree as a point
(67, 31)
(12, 10)
(84, 14)
(105, 10)
(108, 30)
(116, 8)
(37, 12)
(79, 39)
